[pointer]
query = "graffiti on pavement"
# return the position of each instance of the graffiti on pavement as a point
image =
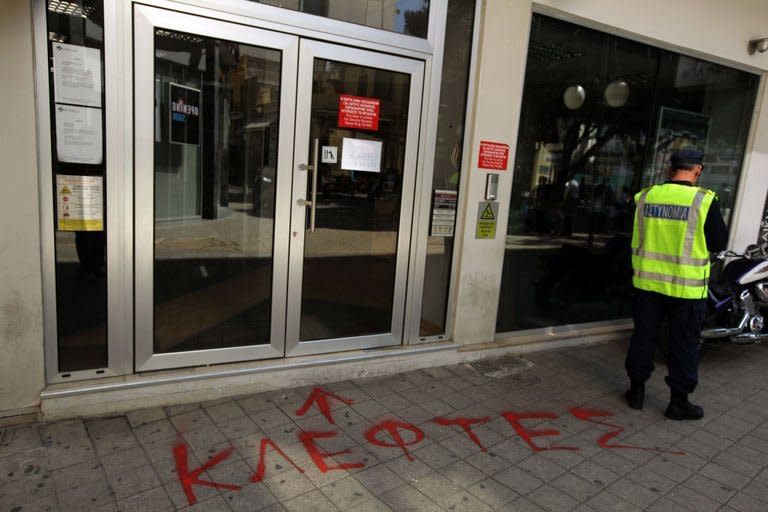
(400, 435)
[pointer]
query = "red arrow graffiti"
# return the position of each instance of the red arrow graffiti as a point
(320, 397)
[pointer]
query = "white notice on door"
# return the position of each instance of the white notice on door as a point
(361, 155)
(77, 74)
(78, 134)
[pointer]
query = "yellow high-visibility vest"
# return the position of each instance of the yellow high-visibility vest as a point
(669, 250)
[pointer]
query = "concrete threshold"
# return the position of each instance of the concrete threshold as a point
(560, 336)
(19, 416)
(99, 397)
(117, 395)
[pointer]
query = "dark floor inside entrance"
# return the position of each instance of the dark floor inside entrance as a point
(207, 304)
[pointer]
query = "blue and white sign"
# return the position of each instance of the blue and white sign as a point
(184, 114)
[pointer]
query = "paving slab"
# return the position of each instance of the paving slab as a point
(544, 431)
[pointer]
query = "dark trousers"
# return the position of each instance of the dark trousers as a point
(91, 246)
(684, 318)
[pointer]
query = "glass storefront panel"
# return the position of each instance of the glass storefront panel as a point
(404, 16)
(216, 128)
(601, 115)
(350, 257)
(76, 64)
(447, 166)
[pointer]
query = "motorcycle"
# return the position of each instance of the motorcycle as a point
(737, 304)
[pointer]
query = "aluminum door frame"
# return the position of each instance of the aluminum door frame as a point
(309, 50)
(146, 19)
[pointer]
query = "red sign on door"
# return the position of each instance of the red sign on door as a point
(358, 112)
(493, 155)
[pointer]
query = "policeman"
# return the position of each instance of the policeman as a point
(677, 225)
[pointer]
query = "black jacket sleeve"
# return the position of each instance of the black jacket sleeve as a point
(715, 230)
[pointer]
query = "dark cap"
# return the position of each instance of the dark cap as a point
(685, 158)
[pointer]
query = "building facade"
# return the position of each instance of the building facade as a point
(208, 198)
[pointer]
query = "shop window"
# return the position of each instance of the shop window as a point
(214, 191)
(447, 166)
(402, 16)
(76, 77)
(601, 116)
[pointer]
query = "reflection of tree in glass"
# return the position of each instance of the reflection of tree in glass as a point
(416, 22)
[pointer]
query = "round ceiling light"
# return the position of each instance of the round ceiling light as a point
(617, 93)
(574, 97)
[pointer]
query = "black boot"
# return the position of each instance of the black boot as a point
(635, 395)
(680, 408)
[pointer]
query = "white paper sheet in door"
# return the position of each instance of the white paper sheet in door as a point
(77, 74)
(361, 155)
(78, 134)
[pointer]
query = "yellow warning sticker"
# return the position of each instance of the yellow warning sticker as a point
(80, 225)
(80, 205)
(488, 213)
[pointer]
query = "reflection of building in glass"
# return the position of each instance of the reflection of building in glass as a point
(677, 130)
(548, 160)
(579, 163)
(403, 16)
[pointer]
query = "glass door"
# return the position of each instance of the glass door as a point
(357, 130)
(214, 121)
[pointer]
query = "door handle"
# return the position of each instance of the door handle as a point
(313, 200)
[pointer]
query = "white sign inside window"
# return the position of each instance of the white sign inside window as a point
(361, 155)
(77, 74)
(78, 134)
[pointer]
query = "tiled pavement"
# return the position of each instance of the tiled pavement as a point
(579, 448)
